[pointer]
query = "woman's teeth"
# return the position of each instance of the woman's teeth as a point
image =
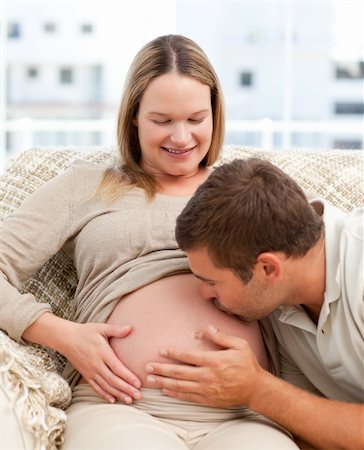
(172, 150)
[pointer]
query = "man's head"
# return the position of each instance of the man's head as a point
(248, 212)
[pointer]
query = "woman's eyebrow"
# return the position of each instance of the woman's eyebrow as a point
(157, 113)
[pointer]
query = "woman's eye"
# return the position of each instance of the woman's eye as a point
(195, 120)
(161, 122)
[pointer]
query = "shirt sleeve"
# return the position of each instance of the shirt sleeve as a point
(353, 273)
(28, 238)
(291, 373)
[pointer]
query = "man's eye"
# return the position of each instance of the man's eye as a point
(218, 305)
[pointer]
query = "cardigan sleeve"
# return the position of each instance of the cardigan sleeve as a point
(28, 238)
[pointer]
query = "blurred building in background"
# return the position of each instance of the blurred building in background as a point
(292, 71)
(64, 64)
(296, 65)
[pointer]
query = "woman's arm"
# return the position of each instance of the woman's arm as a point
(29, 237)
(86, 346)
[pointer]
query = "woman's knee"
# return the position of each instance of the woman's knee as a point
(244, 434)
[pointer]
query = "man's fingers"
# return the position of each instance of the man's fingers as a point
(193, 357)
(206, 358)
(176, 371)
(187, 396)
(172, 384)
(224, 340)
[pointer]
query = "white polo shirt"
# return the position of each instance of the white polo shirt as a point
(328, 358)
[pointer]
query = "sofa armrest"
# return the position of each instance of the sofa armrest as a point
(34, 394)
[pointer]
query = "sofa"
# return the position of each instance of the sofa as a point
(33, 394)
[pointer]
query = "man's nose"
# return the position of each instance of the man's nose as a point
(207, 292)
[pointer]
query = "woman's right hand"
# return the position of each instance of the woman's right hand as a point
(87, 348)
(90, 354)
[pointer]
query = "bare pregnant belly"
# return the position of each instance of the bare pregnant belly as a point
(172, 313)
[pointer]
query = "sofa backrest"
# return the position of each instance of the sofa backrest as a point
(336, 175)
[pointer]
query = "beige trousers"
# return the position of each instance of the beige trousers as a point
(158, 422)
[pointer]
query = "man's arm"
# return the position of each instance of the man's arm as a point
(233, 377)
(324, 423)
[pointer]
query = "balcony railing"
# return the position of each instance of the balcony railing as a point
(266, 128)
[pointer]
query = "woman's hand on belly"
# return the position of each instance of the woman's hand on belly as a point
(91, 355)
(221, 378)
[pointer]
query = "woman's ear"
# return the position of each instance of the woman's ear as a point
(270, 265)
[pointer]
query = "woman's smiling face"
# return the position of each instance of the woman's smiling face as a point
(175, 125)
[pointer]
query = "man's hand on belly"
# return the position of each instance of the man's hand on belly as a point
(221, 378)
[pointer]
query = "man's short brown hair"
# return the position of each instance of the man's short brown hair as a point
(244, 208)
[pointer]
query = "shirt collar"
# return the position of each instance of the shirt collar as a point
(295, 315)
(333, 222)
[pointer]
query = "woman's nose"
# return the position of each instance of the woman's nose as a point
(180, 134)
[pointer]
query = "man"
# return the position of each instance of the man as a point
(261, 249)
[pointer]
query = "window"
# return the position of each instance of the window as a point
(66, 76)
(14, 30)
(246, 79)
(255, 37)
(342, 144)
(350, 70)
(349, 108)
(32, 72)
(50, 27)
(87, 28)
(261, 74)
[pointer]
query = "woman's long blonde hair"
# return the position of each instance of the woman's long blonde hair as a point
(170, 53)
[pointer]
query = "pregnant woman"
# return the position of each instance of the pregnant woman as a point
(135, 293)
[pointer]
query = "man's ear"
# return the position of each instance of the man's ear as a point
(270, 266)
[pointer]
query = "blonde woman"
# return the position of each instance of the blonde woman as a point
(135, 292)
